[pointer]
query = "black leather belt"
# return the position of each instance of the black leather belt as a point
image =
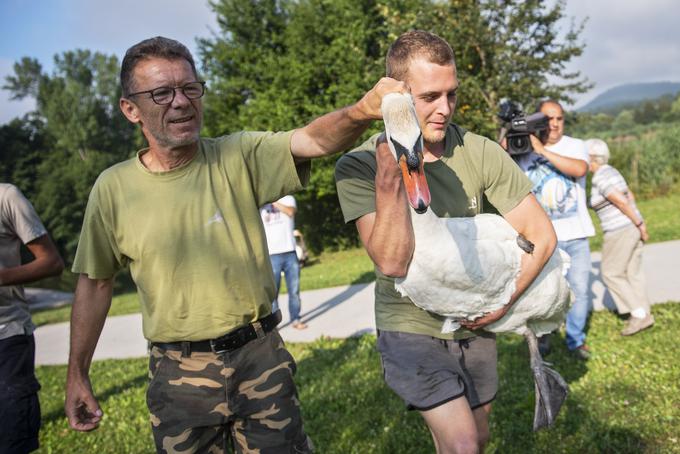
(229, 342)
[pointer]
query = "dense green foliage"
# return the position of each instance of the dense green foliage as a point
(644, 142)
(277, 64)
(624, 400)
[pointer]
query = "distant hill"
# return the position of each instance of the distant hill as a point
(623, 95)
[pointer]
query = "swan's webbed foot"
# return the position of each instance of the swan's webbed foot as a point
(524, 244)
(551, 389)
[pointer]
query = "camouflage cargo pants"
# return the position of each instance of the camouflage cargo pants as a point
(201, 402)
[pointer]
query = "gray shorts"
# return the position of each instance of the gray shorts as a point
(427, 372)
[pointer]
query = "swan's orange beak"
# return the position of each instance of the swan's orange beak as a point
(417, 191)
(410, 161)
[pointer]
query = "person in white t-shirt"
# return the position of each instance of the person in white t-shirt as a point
(558, 170)
(279, 223)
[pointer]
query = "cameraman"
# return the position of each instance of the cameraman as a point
(557, 169)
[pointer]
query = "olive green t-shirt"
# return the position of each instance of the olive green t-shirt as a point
(192, 236)
(474, 175)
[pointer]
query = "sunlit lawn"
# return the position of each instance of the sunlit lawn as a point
(626, 399)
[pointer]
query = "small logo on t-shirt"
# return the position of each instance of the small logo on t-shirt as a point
(217, 217)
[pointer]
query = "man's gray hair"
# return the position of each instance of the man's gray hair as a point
(158, 47)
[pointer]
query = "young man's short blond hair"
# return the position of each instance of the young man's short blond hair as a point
(414, 44)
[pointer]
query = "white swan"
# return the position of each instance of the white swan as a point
(463, 268)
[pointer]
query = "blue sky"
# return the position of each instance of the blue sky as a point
(627, 41)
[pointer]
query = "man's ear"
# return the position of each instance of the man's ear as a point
(130, 110)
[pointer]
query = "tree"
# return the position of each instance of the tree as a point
(675, 108)
(83, 133)
(20, 143)
(277, 64)
(624, 122)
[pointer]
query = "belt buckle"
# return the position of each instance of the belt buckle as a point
(215, 349)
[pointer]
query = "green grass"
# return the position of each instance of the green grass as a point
(353, 266)
(626, 399)
(331, 269)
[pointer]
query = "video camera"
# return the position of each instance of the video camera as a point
(516, 127)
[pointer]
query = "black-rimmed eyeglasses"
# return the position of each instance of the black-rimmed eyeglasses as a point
(166, 95)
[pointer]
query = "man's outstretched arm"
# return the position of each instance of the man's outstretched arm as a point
(338, 130)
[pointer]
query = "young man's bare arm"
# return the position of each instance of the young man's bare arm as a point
(90, 306)
(530, 220)
(387, 234)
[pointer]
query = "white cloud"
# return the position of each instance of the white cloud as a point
(118, 25)
(627, 42)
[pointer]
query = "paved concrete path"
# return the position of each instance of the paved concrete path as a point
(341, 311)
(40, 298)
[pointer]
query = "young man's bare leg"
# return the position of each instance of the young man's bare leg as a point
(481, 415)
(454, 427)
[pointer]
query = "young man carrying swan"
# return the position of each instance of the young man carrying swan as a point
(451, 378)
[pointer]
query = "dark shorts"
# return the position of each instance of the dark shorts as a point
(201, 402)
(427, 372)
(19, 406)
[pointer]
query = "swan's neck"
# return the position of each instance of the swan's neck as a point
(422, 221)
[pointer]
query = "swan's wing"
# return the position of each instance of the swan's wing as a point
(543, 306)
(456, 270)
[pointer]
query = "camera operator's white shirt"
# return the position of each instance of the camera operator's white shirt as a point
(562, 197)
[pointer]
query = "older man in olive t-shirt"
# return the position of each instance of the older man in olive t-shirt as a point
(183, 215)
